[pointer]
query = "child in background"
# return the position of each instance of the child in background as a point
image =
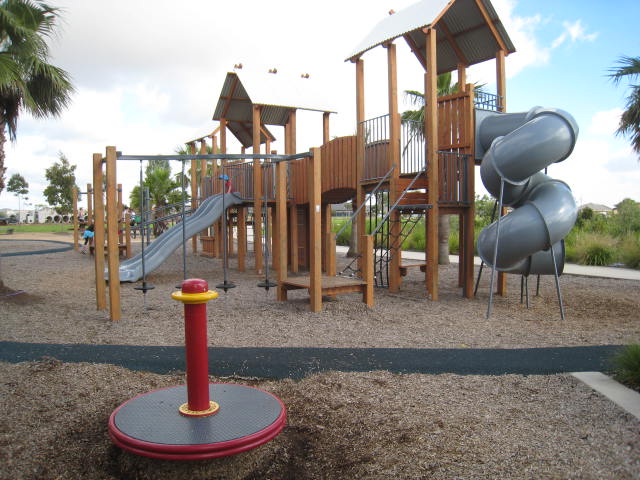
(88, 237)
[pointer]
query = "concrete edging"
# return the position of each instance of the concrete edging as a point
(624, 397)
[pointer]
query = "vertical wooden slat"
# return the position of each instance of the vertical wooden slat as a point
(113, 218)
(98, 239)
(325, 127)
(431, 135)
(315, 244)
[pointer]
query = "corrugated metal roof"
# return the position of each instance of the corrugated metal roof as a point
(463, 35)
(404, 21)
(277, 93)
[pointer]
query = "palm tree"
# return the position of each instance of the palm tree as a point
(415, 120)
(27, 81)
(629, 67)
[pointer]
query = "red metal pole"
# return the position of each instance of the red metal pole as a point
(195, 294)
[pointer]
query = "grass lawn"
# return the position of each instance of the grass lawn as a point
(38, 227)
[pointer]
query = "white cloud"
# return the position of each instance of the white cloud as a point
(574, 32)
(605, 122)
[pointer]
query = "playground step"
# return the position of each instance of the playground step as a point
(413, 198)
(420, 183)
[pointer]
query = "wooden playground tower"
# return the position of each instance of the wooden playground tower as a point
(428, 175)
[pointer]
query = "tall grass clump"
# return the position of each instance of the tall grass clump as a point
(596, 249)
(630, 250)
(626, 366)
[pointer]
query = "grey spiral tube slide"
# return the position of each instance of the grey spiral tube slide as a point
(162, 247)
(519, 145)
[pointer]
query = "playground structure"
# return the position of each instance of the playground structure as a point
(386, 168)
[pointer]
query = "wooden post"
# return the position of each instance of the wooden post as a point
(98, 239)
(462, 77)
(127, 234)
(290, 148)
(113, 218)
(325, 127)
(367, 269)
(394, 160)
(257, 193)
(359, 223)
(281, 226)
(90, 219)
(467, 240)
(242, 238)
(331, 254)
(501, 81)
(76, 225)
(315, 247)
(431, 156)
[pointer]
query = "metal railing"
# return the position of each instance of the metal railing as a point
(487, 101)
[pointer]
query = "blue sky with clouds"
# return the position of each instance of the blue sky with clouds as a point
(148, 76)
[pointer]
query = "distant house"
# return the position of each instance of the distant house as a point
(598, 208)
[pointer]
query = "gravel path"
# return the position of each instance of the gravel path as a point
(341, 425)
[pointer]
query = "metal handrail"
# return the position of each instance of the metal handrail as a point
(350, 220)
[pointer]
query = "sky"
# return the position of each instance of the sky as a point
(148, 75)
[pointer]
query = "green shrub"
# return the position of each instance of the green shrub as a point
(630, 250)
(454, 243)
(594, 249)
(626, 365)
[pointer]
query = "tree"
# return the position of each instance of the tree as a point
(62, 179)
(163, 189)
(415, 120)
(19, 187)
(629, 126)
(627, 216)
(27, 81)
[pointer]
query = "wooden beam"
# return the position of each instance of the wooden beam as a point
(462, 58)
(257, 193)
(469, 214)
(416, 50)
(431, 156)
(113, 217)
(242, 237)
(315, 244)
(98, 239)
(490, 24)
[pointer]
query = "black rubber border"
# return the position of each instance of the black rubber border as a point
(69, 246)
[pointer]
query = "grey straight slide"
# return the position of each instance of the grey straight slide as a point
(518, 146)
(162, 247)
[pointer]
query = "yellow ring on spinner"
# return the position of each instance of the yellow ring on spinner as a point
(184, 410)
(194, 298)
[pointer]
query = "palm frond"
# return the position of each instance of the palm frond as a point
(627, 67)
